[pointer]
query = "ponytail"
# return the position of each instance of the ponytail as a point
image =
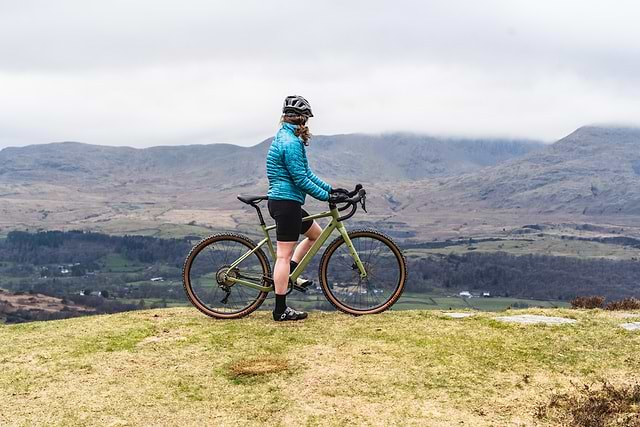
(302, 130)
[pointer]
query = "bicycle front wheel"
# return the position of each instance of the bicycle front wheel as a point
(207, 270)
(386, 270)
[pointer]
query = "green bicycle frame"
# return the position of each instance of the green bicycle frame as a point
(304, 262)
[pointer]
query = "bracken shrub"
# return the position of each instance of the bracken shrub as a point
(594, 406)
(625, 304)
(588, 302)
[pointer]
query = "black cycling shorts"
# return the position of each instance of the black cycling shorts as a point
(288, 215)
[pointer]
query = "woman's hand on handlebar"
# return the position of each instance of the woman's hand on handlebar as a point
(339, 191)
(350, 199)
(347, 192)
(338, 198)
(340, 195)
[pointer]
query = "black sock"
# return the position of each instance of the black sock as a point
(292, 266)
(281, 303)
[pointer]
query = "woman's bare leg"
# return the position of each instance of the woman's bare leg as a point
(312, 235)
(281, 269)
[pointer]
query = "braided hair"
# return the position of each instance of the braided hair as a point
(300, 120)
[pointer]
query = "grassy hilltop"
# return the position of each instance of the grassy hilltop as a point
(178, 367)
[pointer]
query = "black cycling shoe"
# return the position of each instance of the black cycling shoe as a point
(289, 314)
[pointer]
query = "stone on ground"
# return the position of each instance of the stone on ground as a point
(533, 319)
(635, 326)
(459, 315)
(628, 315)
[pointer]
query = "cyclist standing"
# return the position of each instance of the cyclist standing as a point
(290, 180)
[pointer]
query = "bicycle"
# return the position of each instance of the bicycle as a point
(228, 275)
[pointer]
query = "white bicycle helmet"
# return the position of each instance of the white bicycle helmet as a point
(295, 104)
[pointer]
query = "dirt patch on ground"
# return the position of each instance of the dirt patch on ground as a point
(258, 366)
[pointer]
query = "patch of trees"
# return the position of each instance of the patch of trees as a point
(529, 276)
(59, 247)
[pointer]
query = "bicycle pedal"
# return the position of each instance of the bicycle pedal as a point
(301, 285)
(300, 288)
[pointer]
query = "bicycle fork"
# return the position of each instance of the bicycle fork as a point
(345, 235)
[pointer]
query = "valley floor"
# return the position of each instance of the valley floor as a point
(177, 367)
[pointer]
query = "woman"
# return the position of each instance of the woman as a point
(290, 179)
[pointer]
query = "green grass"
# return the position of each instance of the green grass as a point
(116, 263)
(420, 301)
(6, 279)
(176, 367)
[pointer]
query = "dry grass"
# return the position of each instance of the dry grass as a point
(595, 406)
(176, 367)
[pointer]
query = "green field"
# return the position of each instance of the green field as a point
(413, 301)
(546, 245)
(176, 367)
(430, 301)
(116, 263)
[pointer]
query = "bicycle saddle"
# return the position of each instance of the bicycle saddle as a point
(250, 200)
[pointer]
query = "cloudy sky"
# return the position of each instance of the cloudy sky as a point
(144, 73)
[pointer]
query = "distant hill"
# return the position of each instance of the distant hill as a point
(348, 157)
(593, 171)
(69, 162)
(401, 157)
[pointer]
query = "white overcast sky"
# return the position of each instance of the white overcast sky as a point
(144, 73)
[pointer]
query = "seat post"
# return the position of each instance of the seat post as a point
(253, 201)
(259, 214)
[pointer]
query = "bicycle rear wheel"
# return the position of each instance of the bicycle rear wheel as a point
(386, 270)
(204, 274)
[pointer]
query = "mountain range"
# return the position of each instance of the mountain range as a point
(393, 157)
(417, 185)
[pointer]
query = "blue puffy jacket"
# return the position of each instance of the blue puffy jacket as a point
(288, 169)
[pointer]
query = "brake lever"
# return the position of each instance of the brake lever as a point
(356, 191)
(363, 203)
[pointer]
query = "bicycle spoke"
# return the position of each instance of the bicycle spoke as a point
(206, 276)
(383, 267)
